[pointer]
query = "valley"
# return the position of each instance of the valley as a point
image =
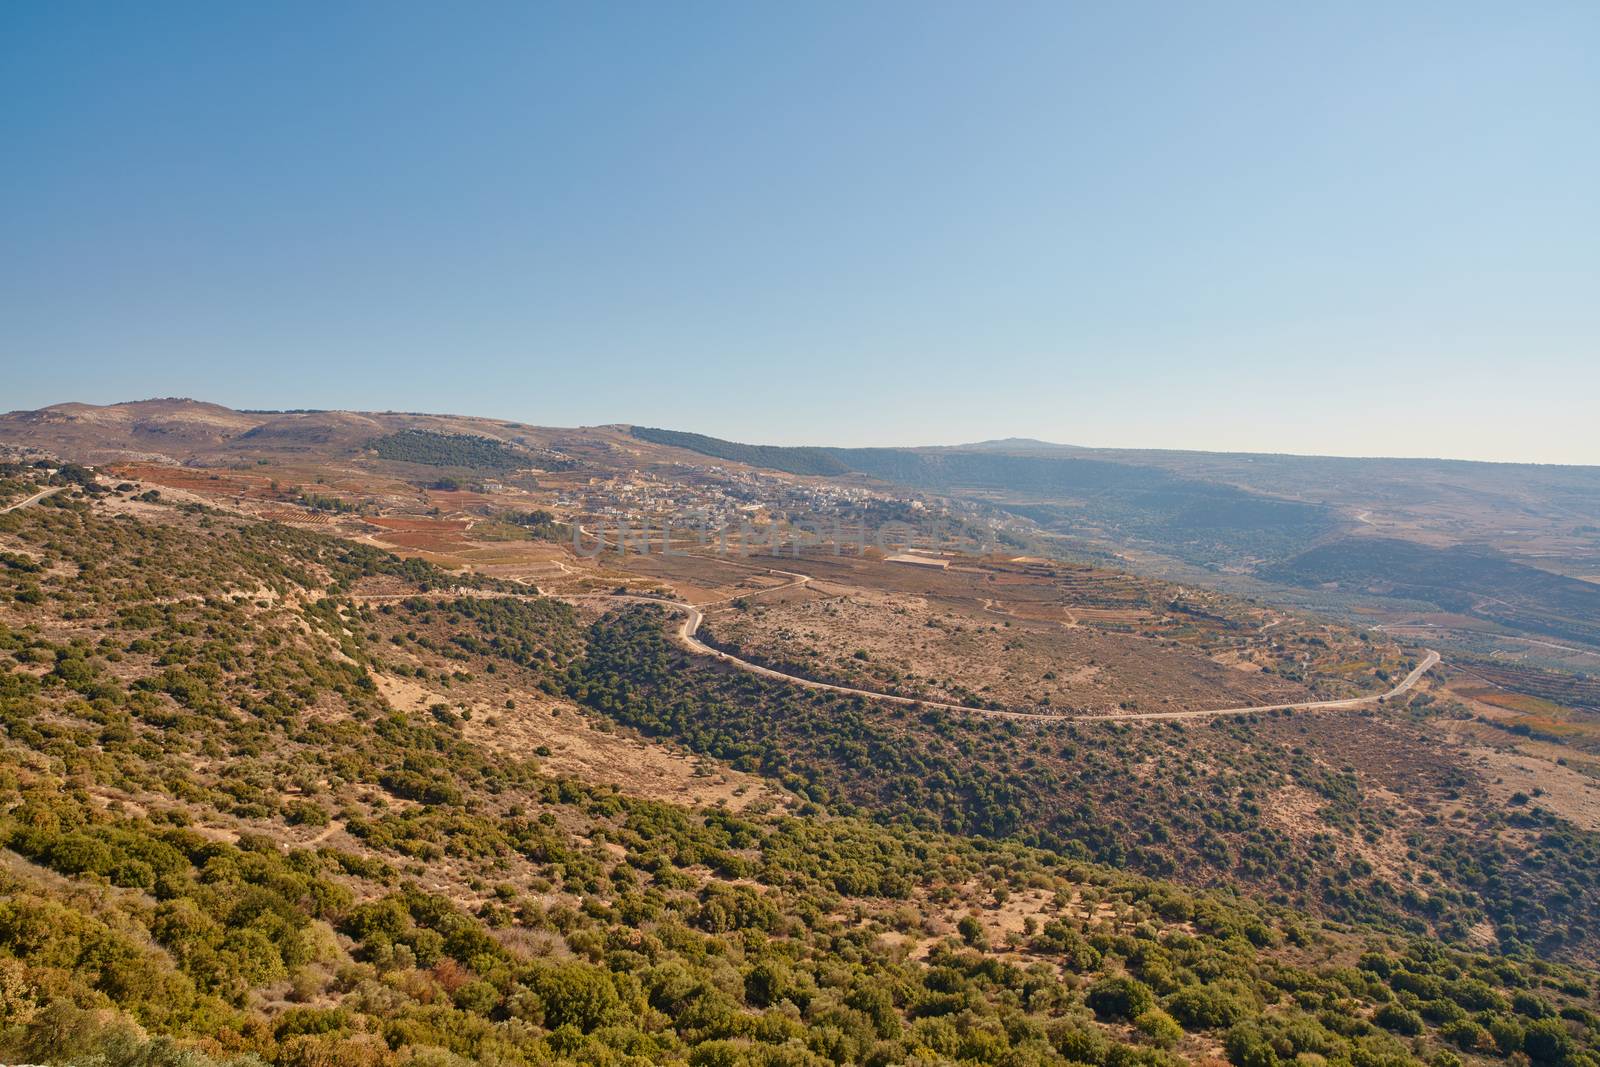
(799, 535)
(364, 751)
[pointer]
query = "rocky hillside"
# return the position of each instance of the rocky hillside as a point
(267, 796)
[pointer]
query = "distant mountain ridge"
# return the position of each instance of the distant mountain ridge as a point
(1018, 444)
(186, 430)
(1254, 517)
(787, 458)
(1201, 521)
(1302, 521)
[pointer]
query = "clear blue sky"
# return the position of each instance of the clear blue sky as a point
(1356, 228)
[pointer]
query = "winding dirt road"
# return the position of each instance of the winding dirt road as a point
(34, 499)
(693, 616)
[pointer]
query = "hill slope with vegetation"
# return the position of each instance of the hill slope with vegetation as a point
(227, 840)
(447, 450)
(1362, 818)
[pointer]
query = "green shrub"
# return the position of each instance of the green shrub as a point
(1401, 1020)
(1119, 998)
(1159, 1028)
(1206, 1007)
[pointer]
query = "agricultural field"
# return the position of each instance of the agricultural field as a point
(1535, 733)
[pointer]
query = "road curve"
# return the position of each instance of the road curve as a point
(693, 617)
(34, 499)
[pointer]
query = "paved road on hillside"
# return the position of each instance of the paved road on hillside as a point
(34, 499)
(693, 617)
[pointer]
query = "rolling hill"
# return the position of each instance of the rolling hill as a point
(272, 796)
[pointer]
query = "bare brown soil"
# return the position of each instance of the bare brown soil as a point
(938, 650)
(580, 747)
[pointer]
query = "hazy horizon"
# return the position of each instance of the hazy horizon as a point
(805, 442)
(1361, 230)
